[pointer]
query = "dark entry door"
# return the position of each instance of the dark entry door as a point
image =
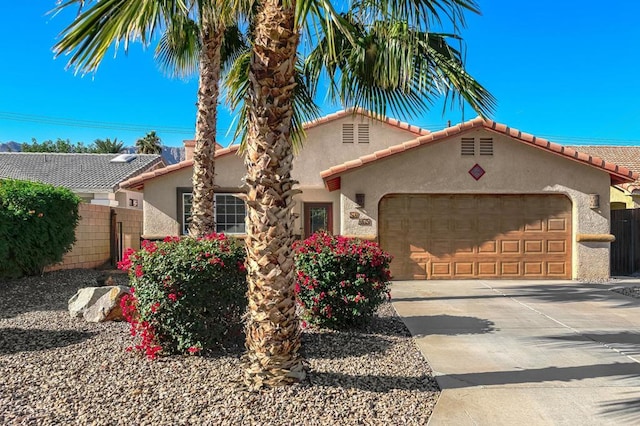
(317, 216)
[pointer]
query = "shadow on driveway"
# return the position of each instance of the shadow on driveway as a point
(625, 410)
(626, 370)
(447, 325)
(571, 292)
(625, 341)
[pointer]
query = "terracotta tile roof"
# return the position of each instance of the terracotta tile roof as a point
(78, 172)
(626, 156)
(138, 181)
(359, 111)
(618, 173)
(191, 143)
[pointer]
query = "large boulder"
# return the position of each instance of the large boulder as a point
(84, 298)
(107, 308)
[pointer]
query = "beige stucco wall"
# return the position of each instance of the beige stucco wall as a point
(515, 168)
(160, 194)
(323, 147)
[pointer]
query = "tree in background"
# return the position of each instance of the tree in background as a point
(60, 145)
(192, 32)
(107, 146)
(149, 144)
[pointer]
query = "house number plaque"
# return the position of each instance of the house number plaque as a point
(354, 215)
(364, 222)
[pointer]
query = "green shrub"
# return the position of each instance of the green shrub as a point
(37, 226)
(340, 281)
(188, 294)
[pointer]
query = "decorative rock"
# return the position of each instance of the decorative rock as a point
(105, 280)
(84, 298)
(107, 308)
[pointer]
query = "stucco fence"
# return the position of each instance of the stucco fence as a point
(102, 235)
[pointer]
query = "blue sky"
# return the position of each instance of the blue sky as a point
(562, 70)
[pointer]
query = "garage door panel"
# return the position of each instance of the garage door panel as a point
(557, 224)
(477, 236)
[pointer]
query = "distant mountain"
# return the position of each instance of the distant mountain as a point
(171, 154)
(10, 147)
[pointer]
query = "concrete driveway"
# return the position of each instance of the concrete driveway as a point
(526, 352)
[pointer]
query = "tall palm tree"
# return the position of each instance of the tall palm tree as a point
(192, 28)
(149, 144)
(385, 57)
(108, 146)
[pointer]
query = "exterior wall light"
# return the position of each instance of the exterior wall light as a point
(594, 201)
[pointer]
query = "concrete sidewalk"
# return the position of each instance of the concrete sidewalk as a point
(526, 352)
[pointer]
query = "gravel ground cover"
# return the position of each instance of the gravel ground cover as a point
(57, 370)
(631, 291)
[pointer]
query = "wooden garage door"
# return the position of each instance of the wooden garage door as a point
(477, 236)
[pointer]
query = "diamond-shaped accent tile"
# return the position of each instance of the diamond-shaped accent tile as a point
(477, 172)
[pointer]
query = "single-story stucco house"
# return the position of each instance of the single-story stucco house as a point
(95, 178)
(625, 195)
(475, 200)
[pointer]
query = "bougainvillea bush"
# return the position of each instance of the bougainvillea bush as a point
(340, 281)
(188, 295)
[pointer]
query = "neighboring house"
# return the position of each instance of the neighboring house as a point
(625, 195)
(476, 200)
(95, 178)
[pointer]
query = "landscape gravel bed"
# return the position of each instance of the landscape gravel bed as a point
(60, 370)
(631, 291)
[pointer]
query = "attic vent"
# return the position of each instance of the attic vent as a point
(468, 146)
(486, 146)
(363, 133)
(124, 158)
(347, 133)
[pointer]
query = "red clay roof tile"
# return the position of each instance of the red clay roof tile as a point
(138, 181)
(618, 174)
(359, 111)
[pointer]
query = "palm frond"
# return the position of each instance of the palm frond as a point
(178, 51)
(111, 22)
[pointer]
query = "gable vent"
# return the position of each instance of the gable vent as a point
(363, 133)
(347, 133)
(486, 146)
(468, 146)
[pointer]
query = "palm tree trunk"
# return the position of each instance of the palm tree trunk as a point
(202, 217)
(272, 328)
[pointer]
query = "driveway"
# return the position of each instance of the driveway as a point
(526, 352)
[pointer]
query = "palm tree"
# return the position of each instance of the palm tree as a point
(385, 57)
(108, 146)
(149, 144)
(192, 29)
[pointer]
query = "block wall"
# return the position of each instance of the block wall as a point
(93, 241)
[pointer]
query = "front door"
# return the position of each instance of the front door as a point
(317, 217)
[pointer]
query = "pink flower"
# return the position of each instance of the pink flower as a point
(193, 350)
(139, 272)
(155, 307)
(173, 297)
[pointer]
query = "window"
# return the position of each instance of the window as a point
(347, 133)
(363, 133)
(468, 146)
(229, 211)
